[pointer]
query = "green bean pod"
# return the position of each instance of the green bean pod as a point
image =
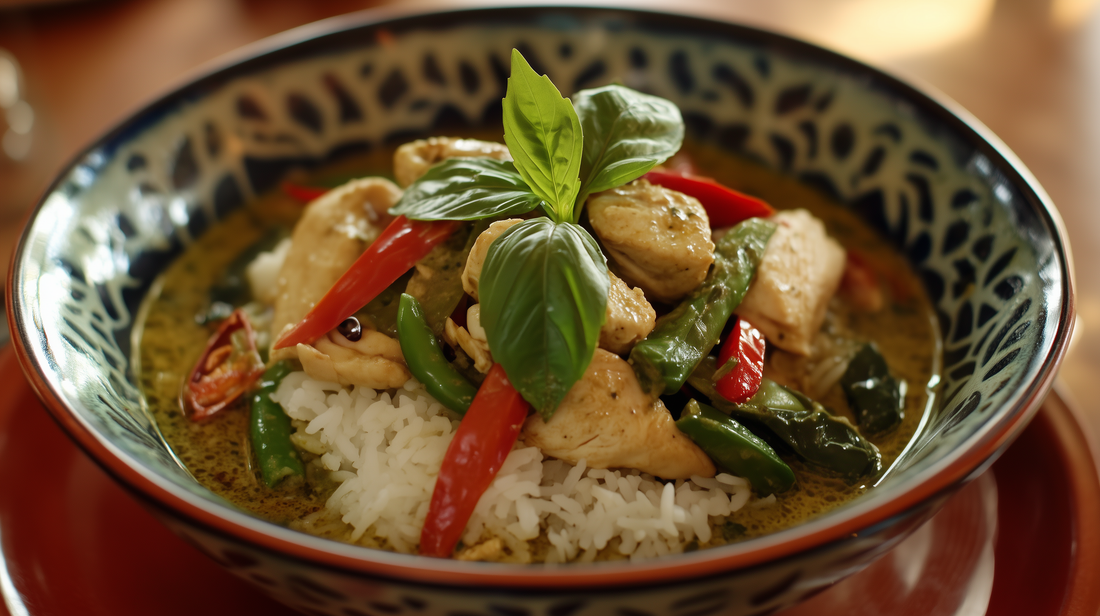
(426, 361)
(789, 420)
(684, 336)
(271, 429)
(734, 448)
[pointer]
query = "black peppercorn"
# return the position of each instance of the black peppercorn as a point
(351, 329)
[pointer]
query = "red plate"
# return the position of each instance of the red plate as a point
(1024, 538)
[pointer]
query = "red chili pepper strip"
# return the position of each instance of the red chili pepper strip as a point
(745, 344)
(227, 369)
(481, 443)
(397, 249)
(860, 286)
(302, 193)
(725, 207)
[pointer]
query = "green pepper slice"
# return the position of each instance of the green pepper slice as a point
(426, 361)
(684, 336)
(437, 278)
(271, 429)
(789, 420)
(232, 290)
(876, 397)
(734, 448)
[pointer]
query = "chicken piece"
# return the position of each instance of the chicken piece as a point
(472, 340)
(798, 275)
(373, 361)
(472, 273)
(490, 551)
(658, 239)
(608, 420)
(630, 318)
(333, 231)
(413, 160)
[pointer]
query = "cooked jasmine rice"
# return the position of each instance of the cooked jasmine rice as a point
(385, 452)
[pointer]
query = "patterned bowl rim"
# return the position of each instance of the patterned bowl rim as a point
(892, 502)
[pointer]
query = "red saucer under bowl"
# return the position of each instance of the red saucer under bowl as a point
(1024, 538)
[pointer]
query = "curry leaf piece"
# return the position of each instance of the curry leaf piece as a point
(543, 292)
(467, 189)
(626, 133)
(544, 137)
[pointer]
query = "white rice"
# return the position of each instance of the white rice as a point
(386, 452)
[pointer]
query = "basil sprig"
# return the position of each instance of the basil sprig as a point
(626, 133)
(544, 282)
(543, 292)
(467, 189)
(543, 134)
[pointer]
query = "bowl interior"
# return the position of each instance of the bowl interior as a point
(975, 228)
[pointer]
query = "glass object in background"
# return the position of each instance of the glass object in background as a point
(18, 116)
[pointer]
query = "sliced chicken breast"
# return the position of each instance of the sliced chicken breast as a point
(608, 421)
(658, 239)
(333, 231)
(798, 275)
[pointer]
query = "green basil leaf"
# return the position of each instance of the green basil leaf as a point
(626, 133)
(543, 292)
(544, 137)
(467, 189)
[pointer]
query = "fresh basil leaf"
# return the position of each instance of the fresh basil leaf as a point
(626, 133)
(467, 189)
(544, 137)
(543, 292)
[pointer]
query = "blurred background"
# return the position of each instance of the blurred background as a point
(1027, 69)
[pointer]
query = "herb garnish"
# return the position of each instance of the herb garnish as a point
(544, 283)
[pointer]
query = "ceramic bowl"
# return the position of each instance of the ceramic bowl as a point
(980, 232)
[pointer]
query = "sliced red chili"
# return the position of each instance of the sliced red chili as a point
(301, 192)
(482, 442)
(860, 285)
(725, 207)
(745, 344)
(227, 368)
(397, 249)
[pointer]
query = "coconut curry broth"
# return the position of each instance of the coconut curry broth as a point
(217, 451)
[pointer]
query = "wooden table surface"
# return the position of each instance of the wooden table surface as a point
(1028, 69)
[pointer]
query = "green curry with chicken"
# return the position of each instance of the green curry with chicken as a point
(576, 299)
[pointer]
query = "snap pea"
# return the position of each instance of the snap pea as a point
(270, 427)
(426, 360)
(684, 336)
(876, 397)
(788, 419)
(734, 448)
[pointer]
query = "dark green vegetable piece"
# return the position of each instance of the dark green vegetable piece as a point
(684, 336)
(426, 360)
(437, 279)
(271, 429)
(436, 282)
(381, 311)
(231, 290)
(876, 398)
(786, 418)
(734, 448)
